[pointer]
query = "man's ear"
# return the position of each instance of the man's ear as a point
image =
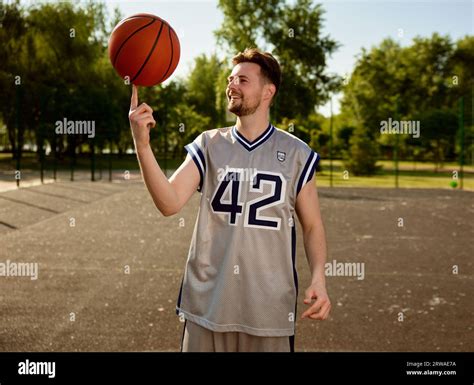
(270, 90)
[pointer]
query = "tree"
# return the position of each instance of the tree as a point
(201, 87)
(406, 83)
(13, 33)
(439, 128)
(344, 135)
(54, 69)
(361, 159)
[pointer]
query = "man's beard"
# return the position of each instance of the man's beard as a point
(242, 107)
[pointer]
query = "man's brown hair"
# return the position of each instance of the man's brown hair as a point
(269, 66)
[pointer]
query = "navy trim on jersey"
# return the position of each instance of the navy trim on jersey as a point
(293, 255)
(249, 146)
(198, 157)
(178, 303)
(295, 278)
(308, 170)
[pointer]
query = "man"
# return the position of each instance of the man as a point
(240, 285)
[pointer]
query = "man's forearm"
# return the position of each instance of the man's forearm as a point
(316, 253)
(157, 183)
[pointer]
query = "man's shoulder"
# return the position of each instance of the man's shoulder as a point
(215, 133)
(290, 139)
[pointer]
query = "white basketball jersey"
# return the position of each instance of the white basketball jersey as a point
(240, 274)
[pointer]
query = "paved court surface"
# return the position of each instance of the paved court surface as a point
(110, 282)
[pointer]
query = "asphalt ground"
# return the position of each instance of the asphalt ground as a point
(110, 267)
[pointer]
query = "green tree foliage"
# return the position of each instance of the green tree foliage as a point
(417, 82)
(439, 130)
(201, 87)
(56, 67)
(361, 159)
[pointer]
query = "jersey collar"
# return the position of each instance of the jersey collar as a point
(249, 146)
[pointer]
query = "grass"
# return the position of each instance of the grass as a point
(411, 174)
(388, 181)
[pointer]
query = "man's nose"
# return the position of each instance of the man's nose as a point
(232, 88)
(234, 83)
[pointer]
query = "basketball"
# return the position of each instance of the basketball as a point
(144, 49)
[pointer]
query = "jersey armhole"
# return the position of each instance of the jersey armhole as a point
(308, 170)
(198, 157)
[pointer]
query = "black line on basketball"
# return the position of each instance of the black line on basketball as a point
(133, 33)
(149, 54)
(172, 54)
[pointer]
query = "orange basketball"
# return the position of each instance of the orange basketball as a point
(145, 49)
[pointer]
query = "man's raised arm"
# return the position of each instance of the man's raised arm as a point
(170, 195)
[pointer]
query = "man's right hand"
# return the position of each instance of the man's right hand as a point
(141, 120)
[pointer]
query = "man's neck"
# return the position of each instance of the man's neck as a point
(252, 126)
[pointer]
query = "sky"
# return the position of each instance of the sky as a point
(354, 24)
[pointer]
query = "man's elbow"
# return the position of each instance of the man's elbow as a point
(168, 211)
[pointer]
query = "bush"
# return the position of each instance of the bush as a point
(361, 159)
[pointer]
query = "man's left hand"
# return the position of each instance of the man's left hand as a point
(320, 309)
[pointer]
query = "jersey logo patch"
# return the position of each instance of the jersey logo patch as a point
(281, 156)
